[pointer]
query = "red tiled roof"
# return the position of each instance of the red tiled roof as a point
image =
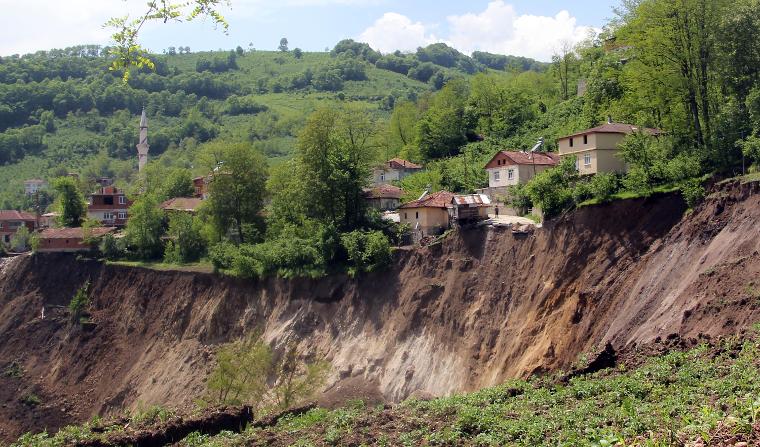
(400, 163)
(523, 158)
(16, 215)
(384, 191)
(616, 128)
(74, 233)
(440, 199)
(182, 204)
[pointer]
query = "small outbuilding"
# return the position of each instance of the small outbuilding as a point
(383, 197)
(61, 240)
(469, 208)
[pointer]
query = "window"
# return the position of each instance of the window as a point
(121, 215)
(416, 214)
(510, 174)
(405, 216)
(496, 176)
(382, 176)
(122, 200)
(107, 216)
(586, 159)
(571, 142)
(585, 139)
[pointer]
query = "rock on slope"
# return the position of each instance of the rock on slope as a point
(479, 307)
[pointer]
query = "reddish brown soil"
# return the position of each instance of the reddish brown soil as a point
(480, 307)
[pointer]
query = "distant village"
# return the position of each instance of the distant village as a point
(595, 151)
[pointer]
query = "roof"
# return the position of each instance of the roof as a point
(74, 233)
(16, 215)
(384, 191)
(182, 204)
(440, 199)
(616, 128)
(524, 158)
(476, 200)
(109, 191)
(400, 163)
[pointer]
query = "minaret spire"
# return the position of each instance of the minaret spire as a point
(142, 146)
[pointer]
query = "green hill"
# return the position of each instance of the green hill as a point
(63, 110)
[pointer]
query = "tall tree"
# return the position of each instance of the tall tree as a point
(283, 45)
(237, 188)
(145, 227)
(335, 151)
(69, 202)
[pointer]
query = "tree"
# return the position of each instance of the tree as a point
(145, 228)
(297, 53)
(185, 241)
(335, 151)
(237, 188)
(20, 241)
(402, 130)
(69, 202)
(551, 190)
(563, 65)
(239, 50)
(283, 45)
(444, 126)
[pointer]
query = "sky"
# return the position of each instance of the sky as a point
(531, 28)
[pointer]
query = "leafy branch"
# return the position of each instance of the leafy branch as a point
(129, 54)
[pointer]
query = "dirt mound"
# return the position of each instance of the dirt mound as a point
(482, 306)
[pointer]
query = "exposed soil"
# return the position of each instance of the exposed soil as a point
(482, 306)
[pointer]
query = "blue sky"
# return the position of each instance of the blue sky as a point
(521, 27)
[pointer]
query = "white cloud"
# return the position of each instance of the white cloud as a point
(395, 31)
(497, 29)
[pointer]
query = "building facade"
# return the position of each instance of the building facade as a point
(395, 169)
(12, 220)
(428, 215)
(32, 186)
(596, 149)
(109, 206)
(383, 197)
(70, 239)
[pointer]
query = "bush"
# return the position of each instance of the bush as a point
(20, 241)
(581, 191)
(109, 248)
(603, 186)
(519, 200)
(692, 192)
(79, 303)
(366, 251)
(223, 255)
(186, 244)
(552, 189)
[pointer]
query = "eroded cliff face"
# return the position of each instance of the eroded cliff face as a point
(480, 307)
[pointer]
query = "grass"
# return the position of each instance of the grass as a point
(668, 400)
(627, 195)
(198, 267)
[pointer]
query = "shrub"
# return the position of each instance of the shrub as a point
(109, 248)
(692, 192)
(186, 244)
(551, 190)
(518, 198)
(581, 191)
(79, 303)
(223, 255)
(20, 239)
(603, 186)
(366, 251)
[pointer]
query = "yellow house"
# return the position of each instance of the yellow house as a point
(596, 150)
(427, 215)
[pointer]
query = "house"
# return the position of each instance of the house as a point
(427, 215)
(182, 204)
(49, 220)
(466, 208)
(508, 168)
(394, 169)
(200, 186)
(109, 206)
(70, 239)
(12, 220)
(383, 197)
(596, 149)
(32, 186)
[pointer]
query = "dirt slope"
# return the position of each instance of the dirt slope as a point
(482, 306)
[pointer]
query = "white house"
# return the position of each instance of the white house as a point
(393, 170)
(508, 168)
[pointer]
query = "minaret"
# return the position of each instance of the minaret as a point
(142, 147)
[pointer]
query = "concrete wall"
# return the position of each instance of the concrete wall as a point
(602, 160)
